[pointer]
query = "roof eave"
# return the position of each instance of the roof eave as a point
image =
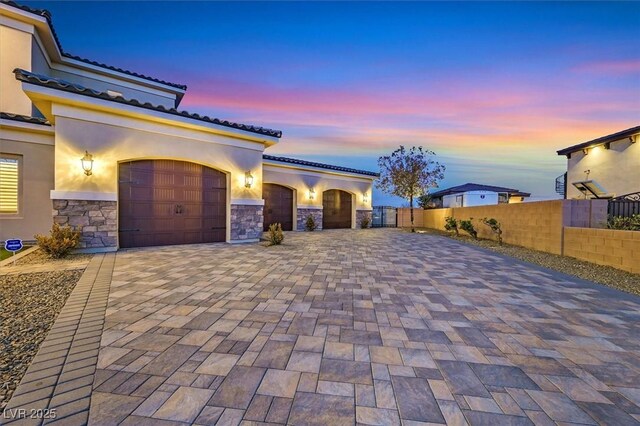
(624, 134)
(329, 170)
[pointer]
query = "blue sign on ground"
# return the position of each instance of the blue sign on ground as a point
(13, 245)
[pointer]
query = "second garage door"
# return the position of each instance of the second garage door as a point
(336, 209)
(164, 202)
(278, 206)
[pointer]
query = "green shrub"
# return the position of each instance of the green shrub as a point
(495, 227)
(310, 224)
(467, 226)
(365, 222)
(451, 225)
(625, 223)
(275, 235)
(60, 242)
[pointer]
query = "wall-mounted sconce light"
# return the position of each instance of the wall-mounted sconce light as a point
(312, 194)
(248, 179)
(87, 163)
(365, 197)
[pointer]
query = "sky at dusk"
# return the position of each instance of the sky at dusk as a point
(493, 88)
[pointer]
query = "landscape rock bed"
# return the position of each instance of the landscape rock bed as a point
(606, 275)
(39, 257)
(29, 305)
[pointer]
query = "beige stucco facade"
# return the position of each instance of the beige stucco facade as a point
(616, 169)
(108, 124)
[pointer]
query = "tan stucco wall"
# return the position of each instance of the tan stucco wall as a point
(303, 180)
(616, 169)
(110, 144)
(619, 249)
(15, 52)
(536, 225)
(37, 180)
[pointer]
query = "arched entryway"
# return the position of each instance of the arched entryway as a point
(336, 209)
(278, 206)
(165, 202)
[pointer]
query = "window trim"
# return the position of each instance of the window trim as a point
(19, 212)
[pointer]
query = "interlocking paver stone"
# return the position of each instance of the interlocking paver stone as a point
(373, 326)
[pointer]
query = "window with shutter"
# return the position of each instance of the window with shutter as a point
(9, 184)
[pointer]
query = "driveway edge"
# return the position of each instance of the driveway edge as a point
(57, 385)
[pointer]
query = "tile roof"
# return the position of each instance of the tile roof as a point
(47, 15)
(319, 165)
(477, 187)
(24, 118)
(623, 134)
(58, 84)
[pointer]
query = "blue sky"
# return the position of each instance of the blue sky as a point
(493, 88)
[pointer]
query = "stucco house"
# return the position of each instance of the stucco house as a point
(107, 151)
(606, 167)
(474, 194)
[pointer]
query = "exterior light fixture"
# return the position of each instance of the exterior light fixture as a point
(365, 197)
(585, 151)
(248, 179)
(312, 194)
(87, 163)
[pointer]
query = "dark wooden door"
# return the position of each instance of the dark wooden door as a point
(336, 212)
(278, 206)
(165, 202)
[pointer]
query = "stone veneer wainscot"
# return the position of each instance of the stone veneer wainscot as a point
(302, 218)
(361, 214)
(96, 221)
(246, 222)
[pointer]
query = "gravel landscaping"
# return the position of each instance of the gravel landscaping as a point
(29, 305)
(605, 275)
(39, 257)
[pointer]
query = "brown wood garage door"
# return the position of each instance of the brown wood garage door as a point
(278, 206)
(336, 211)
(164, 202)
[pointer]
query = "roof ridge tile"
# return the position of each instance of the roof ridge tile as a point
(56, 83)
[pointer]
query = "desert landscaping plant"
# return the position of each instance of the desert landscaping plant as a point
(275, 236)
(365, 222)
(467, 226)
(409, 173)
(310, 224)
(495, 227)
(625, 223)
(451, 225)
(60, 242)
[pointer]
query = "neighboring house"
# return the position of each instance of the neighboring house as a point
(605, 167)
(151, 174)
(473, 194)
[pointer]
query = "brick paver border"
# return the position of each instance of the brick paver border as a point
(57, 386)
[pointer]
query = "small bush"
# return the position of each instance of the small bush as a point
(467, 226)
(275, 235)
(365, 222)
(310, 224)
(495, 227)
(451, 225)
(60, 242)
(625, 223)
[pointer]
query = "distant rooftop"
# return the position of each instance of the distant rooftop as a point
(59, 84)
(478, 187)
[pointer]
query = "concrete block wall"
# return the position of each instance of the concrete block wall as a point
(619, 249)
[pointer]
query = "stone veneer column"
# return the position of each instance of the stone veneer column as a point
(96, 221)
(246, 222)
(361, 214)
(302, 214)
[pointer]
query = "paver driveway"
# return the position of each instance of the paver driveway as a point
(373, 326)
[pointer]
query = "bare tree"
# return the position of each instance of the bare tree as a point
(409, 174)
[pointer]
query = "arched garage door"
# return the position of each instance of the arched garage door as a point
(278, 206)
(336, 209)
(164, 202)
